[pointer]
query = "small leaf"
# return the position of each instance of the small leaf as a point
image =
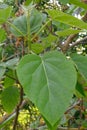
(2, 35)
(4, 14)
(9, 98)
(37, 48)
(9, 81)
(49, 82)
(80, 90)
(81, 62)
(64, 1)
(62, 17)
(49, 40)
(12, 63)
(27, 2)
(2, 70)
(78, 3)
(84, 124)
(67, 32)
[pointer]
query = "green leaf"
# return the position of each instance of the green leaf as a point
(4, 14)
(60, 26)
(37, 48)
(49, 82)
(35, 21)
(78, 3)
(67, 32)
(80, 89)
(54, 127)
(2, 70)
(12, 63)
(27, 2)
(75, 2)
(19, 25)
(49, 40)
(64, 1)
(9, 98)
(9, 81)
(84, 124)
(62, 17)
(81, 62)
(2, 35)
(10, 2)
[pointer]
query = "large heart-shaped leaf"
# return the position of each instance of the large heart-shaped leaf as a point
(48, 81)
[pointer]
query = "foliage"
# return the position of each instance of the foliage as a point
(39, 59)
(46, 82)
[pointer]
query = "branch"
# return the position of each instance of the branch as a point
(79, 42)
(18, 108)
(73, 106)
(65, 46)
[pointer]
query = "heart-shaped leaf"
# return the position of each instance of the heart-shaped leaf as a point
(48, 81)
(20, 27)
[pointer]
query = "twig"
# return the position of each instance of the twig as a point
(79, 42)
(84, 18)
(12, 56)
(11, 77)
(18, 108)
(73, 106)
(65, 46)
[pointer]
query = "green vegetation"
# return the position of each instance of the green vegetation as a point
(43, 64)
